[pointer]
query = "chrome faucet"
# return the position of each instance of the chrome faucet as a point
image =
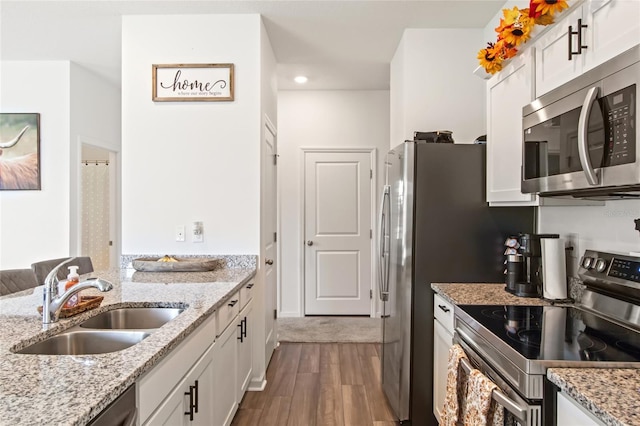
(52, 302)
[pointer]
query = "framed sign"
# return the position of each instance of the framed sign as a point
(192, 82)
(19, 151)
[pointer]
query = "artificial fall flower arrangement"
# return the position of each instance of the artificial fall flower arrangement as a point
(515, 28)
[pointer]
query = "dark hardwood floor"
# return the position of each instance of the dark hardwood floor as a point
(319, 384)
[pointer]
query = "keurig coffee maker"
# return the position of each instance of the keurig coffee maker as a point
(524, 265)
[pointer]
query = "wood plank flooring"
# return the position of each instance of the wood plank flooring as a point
(319, 384)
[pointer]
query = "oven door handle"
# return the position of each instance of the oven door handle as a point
(583, 137)
(500, 398)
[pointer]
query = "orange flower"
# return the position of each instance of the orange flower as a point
(517, 26)
(489, 60)
(505, 50)
(549, 7)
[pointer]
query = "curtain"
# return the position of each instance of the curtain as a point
(95, 214)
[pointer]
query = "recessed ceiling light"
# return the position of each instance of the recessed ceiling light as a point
(301, 79)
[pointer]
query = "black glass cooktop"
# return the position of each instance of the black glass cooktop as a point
(558, 333)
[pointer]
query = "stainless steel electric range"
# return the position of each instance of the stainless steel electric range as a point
(515, 345)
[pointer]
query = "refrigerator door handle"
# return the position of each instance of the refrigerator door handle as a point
(383, 254)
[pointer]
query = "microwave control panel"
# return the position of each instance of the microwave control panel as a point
(620, 114)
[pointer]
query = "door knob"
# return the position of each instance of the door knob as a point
(269, 261)
(309, 243)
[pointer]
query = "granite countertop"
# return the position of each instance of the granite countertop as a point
(610, 394)
(71, 390)
(481, 294)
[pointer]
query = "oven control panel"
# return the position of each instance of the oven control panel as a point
(614, 268)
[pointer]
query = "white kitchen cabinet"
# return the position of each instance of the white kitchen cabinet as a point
(225, 376)
(211, 369)
(570, 413)
(507, 92)
(610, 28)
(245, 344)
(164, 380)
(191, 401)
(442, 341)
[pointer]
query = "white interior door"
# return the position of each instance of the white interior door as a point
(269, 238)
(338, 233)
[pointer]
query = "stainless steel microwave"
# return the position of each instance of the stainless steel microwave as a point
(582, 138)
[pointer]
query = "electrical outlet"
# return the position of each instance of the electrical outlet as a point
(180, 233)
(572, 241)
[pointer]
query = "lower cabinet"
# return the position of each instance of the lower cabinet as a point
(245, 348)
(442, 341)
(192, 401)
(570, 413)
(225, 379)
(203, 380)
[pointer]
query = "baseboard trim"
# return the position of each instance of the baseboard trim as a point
(257, 385)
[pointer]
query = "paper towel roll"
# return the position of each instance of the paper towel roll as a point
(554, 269)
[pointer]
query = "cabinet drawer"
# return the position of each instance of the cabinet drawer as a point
(246, 293)
(227, 312)
(443, 312)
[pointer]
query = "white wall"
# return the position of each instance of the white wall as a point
(319, 119)
(35, 224)
(191, 161)
(38, 225)
(433, 86)
(608, 228)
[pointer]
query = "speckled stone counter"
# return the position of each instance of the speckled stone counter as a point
(71, 390)
(610, 394)
(482, 294)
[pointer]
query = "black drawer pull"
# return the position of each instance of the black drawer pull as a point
(191, 403)
(444, 308)
(241, 333)
(197, 395)
(250, 286)
(232, 303)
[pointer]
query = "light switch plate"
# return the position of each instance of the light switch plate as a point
(198, 232)
(180, 233)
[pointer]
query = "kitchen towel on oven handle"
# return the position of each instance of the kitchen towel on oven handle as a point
(501, 408)
(456, 387)
(481, 408)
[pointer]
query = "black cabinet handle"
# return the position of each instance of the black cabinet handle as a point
(244, 331)
(191, 404)
(444, 308)
(250, 286)
(197, 395)
(233, 303)
(241, 336)
(579, 34)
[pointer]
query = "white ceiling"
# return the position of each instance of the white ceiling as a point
(339, 45)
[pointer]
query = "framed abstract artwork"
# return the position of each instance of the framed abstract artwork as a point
(19, 151)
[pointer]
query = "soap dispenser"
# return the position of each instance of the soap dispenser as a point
(72, 279)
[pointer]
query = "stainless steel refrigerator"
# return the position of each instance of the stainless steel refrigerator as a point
(435, 226)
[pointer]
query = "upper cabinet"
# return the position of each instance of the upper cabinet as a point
(507, 92)
(592, 33)
(607, 28)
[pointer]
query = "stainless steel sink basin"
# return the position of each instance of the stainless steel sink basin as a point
(81, 342)
(132, 318)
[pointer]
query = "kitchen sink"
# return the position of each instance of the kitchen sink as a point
(132, 318)
(84, 342)
(109, 331)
